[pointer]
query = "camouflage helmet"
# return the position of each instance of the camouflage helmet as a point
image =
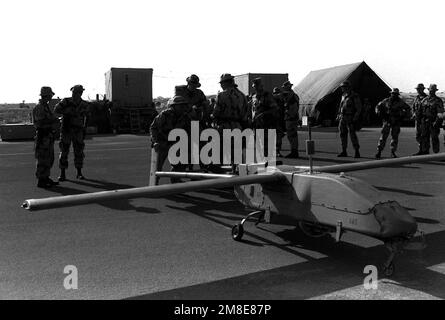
(256, 82)
(433, 87)
(287, 84)
(177, 100)
(226, 77)
(420, 86)
(395, 91)
(194, 79)
(77, 88)
(46, 91)
(345, 83)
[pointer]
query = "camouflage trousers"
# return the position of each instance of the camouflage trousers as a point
(388, 128)
(162, 153)
(76, 137)
(344, 127)
(418, 133)
(44, 154)
(429, 134)
(292, 134)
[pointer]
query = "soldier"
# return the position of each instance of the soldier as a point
(197, 99)
(174, 117)
(416, 113)
(291, 107)
(264, 111)
(45, 124)
(231, 109)
(264, 107)
(431, 118)
(392, 110)
(281, 124)
(348, 117)
(74, 113)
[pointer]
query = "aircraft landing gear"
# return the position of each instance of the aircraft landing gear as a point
(238, 229)
(394, 247)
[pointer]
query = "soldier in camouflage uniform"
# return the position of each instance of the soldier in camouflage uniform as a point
(264, 107)
(74, 113)
(415, 112)
(264, 111)
(392, 110)
(281, 124)
(174, 117)
(431, 118)
(45, 124)
(230, 111)
(198, 108)
(291, 107)
(348, 117)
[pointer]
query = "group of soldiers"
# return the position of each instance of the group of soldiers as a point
(70, 115)
(230, 110)
(427, 111)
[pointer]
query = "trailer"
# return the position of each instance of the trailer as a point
(131, 95)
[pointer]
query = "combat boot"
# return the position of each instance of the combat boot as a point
(62, 176)
(79, 174)
(378, 155)
(51, 182)
(43, 183)
(293, 155)
(342, 154)
(393, 154)
(357, 154)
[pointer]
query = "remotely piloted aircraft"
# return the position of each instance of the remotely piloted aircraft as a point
(320, 199)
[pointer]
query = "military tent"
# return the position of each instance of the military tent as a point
(320, 90)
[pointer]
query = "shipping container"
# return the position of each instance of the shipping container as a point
(128, 87)
(130, 91)
(270, 81)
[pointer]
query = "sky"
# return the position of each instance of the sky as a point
(60, 43)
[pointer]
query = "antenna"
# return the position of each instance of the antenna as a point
(310, 144)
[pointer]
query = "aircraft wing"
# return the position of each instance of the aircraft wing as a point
(148, 192)
(379, 163)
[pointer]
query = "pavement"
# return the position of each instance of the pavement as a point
(180, 247)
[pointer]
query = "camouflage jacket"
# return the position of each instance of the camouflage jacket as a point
(430, 107)
(43, 117)
(291, 106)
(230, 110)
(279, 101)
(417, 104)
(392, 110)
(350, 106)
(73, 115)
(164, 122)
(197, 102)
(264, 110)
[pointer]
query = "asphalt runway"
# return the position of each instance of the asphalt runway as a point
(180, 247)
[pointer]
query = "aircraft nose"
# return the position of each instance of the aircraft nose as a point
(394, 220)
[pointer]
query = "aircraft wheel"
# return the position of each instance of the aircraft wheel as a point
(388, 270)
(237, 232)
